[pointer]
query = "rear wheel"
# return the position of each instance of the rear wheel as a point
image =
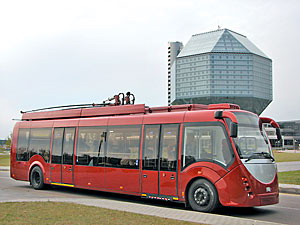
(203, 196)
(37, 178)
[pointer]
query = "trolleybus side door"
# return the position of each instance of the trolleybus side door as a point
(68, 156)
(62, 155)
(159, 176)
(150, 159)
(168, 160)
(56, 155)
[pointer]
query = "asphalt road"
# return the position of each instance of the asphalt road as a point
(286, 212)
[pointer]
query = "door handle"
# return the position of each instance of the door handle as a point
(70, 169)
(145, 175)
(172, 177)
(52, 168)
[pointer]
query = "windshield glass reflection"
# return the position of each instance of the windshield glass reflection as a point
(252, 141)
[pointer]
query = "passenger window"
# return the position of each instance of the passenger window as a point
(169, 147)
(90, 148)
(57, 146)
(150, 149)
(123, 147)
(205, 143)
(22, 149)
(68, 146)
(39, 142)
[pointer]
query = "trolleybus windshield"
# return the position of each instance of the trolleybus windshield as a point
(252, 141)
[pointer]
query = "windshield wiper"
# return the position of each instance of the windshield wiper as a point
(264, 154)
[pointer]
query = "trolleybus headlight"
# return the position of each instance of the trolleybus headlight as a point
(245, 181)
(247, 187)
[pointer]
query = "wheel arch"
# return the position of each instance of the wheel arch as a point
(34, 164)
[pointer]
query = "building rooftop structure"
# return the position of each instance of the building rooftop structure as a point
(220, 66)
(221, 40)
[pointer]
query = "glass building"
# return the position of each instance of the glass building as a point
(220, 66)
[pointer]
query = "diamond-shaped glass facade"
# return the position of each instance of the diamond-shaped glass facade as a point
(229, 72)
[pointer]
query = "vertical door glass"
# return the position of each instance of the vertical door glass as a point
(57, 145)
(151, 145)
(68, 146)
(169, 147)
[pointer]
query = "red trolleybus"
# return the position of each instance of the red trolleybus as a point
(197, 154)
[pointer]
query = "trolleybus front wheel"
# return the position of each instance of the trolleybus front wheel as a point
(203, 196)
(37, 178)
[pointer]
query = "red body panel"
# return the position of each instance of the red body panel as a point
(201, 170)
(67, 174)
(89, 177)
(136, 181)
(168, 183)
(176, 117)
(124, 180)
(55, 173)
(93, 122)
(71, 113)
(149, 182)
(232, 191)
(116, 110)
(125, 120)
(20, 170)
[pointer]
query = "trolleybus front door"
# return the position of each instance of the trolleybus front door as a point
(159, 175)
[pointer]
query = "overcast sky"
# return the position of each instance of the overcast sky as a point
(68, 52)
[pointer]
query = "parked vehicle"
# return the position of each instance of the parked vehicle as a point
(197, 154)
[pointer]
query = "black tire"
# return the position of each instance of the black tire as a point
(37, 178)
(203, 196)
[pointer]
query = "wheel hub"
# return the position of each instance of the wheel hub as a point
(36, 178)
(201, 196)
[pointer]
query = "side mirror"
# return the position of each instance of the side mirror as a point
(273, 124)
(233, 127)
(233, 130)
(278, 134)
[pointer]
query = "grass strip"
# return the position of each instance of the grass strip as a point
(69, 213)
(4, 160)
(286, 157)
(290, 177)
